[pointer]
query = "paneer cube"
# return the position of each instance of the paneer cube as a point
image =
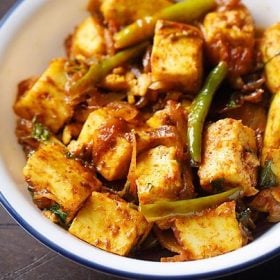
(55, 178)
(158, 175)
(115, 82)
(87, 40)
(270, 46)
(272, 129)
(176, 59)
(103, 136)
(229, 158)
(210, 233)
(229, 36)
(271, 144)
(47, 98)
(113, 164)
(123, 12)
(109, 223)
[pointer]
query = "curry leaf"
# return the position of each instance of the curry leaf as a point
(267, 176)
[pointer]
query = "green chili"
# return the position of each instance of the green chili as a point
(168, 209)
(99, 70)
(142, 29)
(199, 110)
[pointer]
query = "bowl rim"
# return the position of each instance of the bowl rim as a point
(106, 268)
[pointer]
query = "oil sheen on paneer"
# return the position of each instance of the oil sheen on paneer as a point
(104, 137)
(229, 36)
(270, 48)
(55, 178)
(176, 59)
(123, 12)
(210, 233)
(229, 158)
(110, 223)
(47, 99)
(158, 175)
(88, 40)
(268, 200)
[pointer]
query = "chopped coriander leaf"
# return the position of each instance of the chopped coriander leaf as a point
(40, 132)
(58, 212)
(267, 176)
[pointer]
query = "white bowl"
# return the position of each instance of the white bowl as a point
(31, 35)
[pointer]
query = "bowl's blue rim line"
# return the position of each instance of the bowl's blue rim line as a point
(10, 11)
(31, 230)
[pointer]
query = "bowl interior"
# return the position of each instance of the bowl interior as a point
(30, 37)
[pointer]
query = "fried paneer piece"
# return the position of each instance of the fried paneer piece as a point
(229, 158)
(271, 144)
(47, 99)
(268, 200)
(110, 223)
(210, 233)
(123, 12)
(176, 59)
(229, 36)
(103, 137)
(88, 40)
(270, 49)
(272, 129)
(55, 178)
(158, 175)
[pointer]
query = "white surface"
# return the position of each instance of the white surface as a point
(30, 38)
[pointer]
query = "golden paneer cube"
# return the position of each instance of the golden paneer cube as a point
(209, 233)
(124, 12)
(272, 129)
(176, 59)
(229, 158)
(270, 46)
(56, 178)
(103, 136)
(87, 40)
(110, 223)
(229, 36)
(113, 164)
(158, 175)
(47, 99)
